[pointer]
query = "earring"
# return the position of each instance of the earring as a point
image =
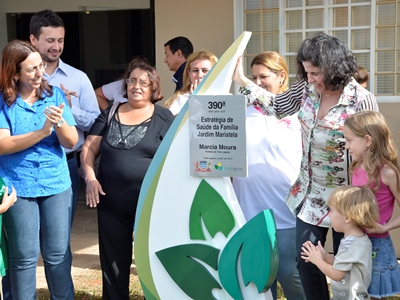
(280, 83)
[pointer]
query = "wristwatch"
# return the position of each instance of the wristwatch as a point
(60, 123)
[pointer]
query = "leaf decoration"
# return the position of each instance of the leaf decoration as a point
(191, 276)
(149, 295)
(2, 188)
(209, 206)
(257, 246)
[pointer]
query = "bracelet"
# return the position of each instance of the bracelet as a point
(246, 88)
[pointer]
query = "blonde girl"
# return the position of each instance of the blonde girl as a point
(375, 165)
(197, 66)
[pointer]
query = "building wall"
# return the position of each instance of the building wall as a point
(22, 6)
(208, 24)
(391, 112)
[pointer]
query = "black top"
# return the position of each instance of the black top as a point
(178, 77)
(122, 168)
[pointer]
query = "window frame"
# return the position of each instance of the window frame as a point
(239, 25)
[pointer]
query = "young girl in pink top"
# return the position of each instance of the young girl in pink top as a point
(375, 165)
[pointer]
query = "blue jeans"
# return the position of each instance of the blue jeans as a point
(288, 275)
(47, 218)
(75, 179)
(313, 280)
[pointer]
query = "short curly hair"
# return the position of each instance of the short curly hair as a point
(329, 54)
(154, 78)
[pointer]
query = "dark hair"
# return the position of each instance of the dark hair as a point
(329, 54)
(14, 53)
(155, 82)
(44, 18)
(361, 75)
(180, 43)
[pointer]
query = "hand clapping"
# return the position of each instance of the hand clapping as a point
(54, 113)
(311, 253)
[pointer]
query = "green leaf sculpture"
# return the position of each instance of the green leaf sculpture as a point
(191, 276)
(3, 240)
(257, 246)
(2, 188)
(209, 206)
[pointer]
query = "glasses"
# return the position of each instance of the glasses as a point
(134, 81)
(34, 70)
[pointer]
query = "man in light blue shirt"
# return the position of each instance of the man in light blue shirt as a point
(47, 35)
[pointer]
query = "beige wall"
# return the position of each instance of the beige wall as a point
(391, 112)
(206, 28)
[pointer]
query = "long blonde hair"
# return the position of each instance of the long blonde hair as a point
(381, 151)
(202, 55)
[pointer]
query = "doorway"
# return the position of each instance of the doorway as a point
(99, 42)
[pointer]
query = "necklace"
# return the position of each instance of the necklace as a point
(30, 99)
(122, 139)
(30, 102)
(333, 93)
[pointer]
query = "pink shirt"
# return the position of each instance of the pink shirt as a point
(383, 195)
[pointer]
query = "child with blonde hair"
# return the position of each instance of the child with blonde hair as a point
(351, 210)
(375, 166)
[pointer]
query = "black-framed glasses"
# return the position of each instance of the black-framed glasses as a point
(34, 70)
(134, 81)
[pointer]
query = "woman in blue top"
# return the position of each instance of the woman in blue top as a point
(35, 123)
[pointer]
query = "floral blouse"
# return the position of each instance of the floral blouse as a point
(325, 161)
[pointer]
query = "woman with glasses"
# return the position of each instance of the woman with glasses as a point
(114, 91)
(35, 123)
(197, 66)
(127, 141)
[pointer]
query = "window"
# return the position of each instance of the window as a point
(371, 29)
